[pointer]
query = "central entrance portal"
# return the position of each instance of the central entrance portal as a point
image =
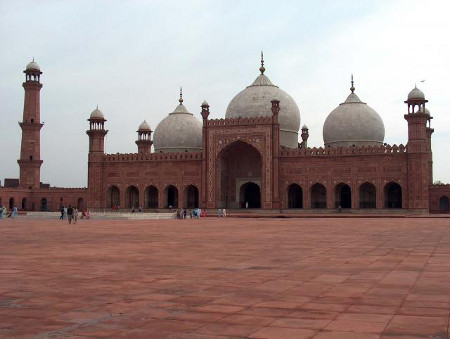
(250, 196)
(239, 176)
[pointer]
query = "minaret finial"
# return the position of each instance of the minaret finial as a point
(97, 106)
(353, 87)
(262, 69)
(181, 95)
(33, 58)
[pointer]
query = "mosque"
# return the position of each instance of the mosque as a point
(253, 158)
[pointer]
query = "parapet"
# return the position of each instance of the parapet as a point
(240, 121)
(152, 156)
(344, 151)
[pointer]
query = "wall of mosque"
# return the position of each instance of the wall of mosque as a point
(151, 181)
(43, 199)
(329, 178)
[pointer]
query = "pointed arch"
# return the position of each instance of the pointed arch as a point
(191, 196)
(151, 197)
(343, 196)
(393, 195)
(444, 205)
(250, 195)
(318, 196)
(294, 196)
(367, 195)
(113, 197)
(238, 164)
(44, 204)
(132, 197)
(171, 197)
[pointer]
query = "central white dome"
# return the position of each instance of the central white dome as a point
(255, 101)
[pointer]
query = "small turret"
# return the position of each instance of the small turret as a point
(305, 136)
(144, 141)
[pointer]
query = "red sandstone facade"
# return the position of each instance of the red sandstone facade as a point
(241, 165)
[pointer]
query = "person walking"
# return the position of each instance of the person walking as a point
(65, 212)
(1, 211)
(75, 215)
(62, 213)
(70, 214)
(14, 213)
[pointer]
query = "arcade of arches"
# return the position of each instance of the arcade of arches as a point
(343, 196)
(170, 198)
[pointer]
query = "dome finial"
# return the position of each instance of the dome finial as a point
(262, 69)
(353, 87)
(181, 96)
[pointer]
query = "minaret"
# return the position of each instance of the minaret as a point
(97, 135)
(144, 141)
(419, 154)
(30, 154)
(305, 136)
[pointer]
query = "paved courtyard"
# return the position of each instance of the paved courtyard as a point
(349, 278)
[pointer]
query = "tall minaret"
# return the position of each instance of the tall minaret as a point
(96, 133)
(419, 154)
(30, 154)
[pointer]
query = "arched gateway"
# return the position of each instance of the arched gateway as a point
(239, 176)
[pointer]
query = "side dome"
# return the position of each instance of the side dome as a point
(180, 131)
(416, 94)
(255, 101)
(97, 114)
(144, 126)
(353, 123)
(33, 66)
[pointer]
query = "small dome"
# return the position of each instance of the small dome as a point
(416, 94)
(255, 101)
(33, 66)
(144, 126)
(180, 131)
(353, 123)
(427, 111)
(305, 127)
(205, 104)
(97, 114)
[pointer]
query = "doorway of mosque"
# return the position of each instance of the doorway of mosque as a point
(250, 195)
(239, 176)
(343, 196)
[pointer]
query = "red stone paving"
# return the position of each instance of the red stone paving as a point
(321, 278)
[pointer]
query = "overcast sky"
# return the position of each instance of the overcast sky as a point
(131, 57)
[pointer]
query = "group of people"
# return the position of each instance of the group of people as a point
(199, 213)
(194, 214)
(71, 213)
(4, 212)
(221, 213)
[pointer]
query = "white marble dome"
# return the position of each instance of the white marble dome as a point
(416, 94)
(33, 66)
(97, 114)
(353, 123)
(180, 131)
(144, 126)
(255, 101)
